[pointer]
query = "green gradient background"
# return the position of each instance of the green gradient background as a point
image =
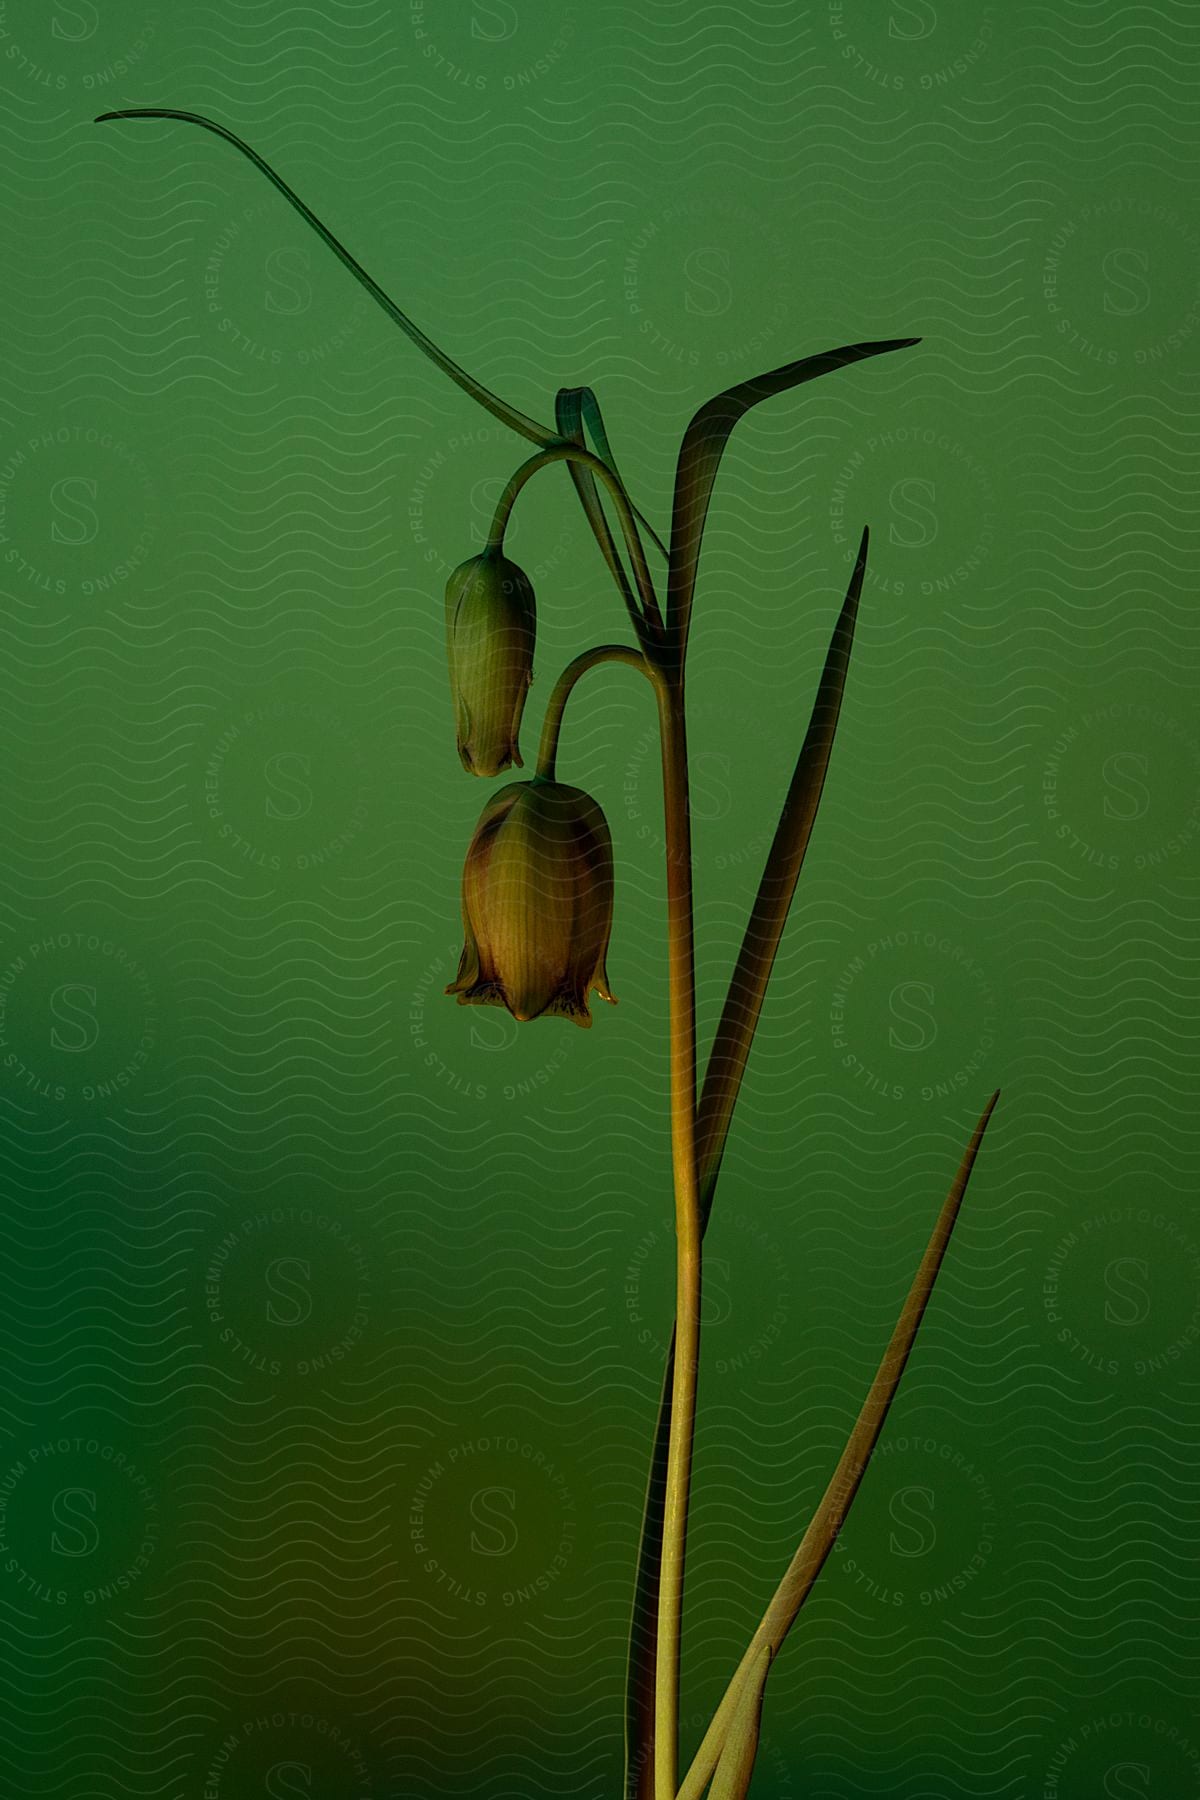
(333, 1313)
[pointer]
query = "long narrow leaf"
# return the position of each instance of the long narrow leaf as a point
(518, 421)
(568, 416)
(838, 1497)
(575, 408)
(703, 447)
(594, 420)
(781, 871)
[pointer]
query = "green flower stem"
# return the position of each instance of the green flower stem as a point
(831, 1512)
(681, 968)
(722, 1083)
(681, 974)
(574, 454)
(622, 653)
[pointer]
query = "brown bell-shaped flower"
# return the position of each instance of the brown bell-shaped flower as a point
(491, 621)
(537, 896)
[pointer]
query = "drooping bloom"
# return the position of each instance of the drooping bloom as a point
(537, 897)
(491, 621)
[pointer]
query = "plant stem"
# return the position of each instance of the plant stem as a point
(552, 725)
(668, 687)
(682, 998)
(722, 1082)
(572, 453)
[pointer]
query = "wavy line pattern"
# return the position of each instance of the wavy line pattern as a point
(335, 1313)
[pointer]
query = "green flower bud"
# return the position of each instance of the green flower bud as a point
(490, 630)
(537, 896)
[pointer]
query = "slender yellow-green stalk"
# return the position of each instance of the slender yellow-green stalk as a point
(571, 453)
(700, 457)
(681, 980)
(681, 976)
(727, 1063)
(681, 967)
(563, 687)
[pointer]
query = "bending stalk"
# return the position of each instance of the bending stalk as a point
(564, 686)
(573, 454)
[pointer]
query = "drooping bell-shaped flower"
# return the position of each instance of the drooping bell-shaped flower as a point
(491, 621)
(537, 898)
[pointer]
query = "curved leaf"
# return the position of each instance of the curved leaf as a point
(594, 420)
(703, 447)
(781, 871)
(508, 415)
(568, 416)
